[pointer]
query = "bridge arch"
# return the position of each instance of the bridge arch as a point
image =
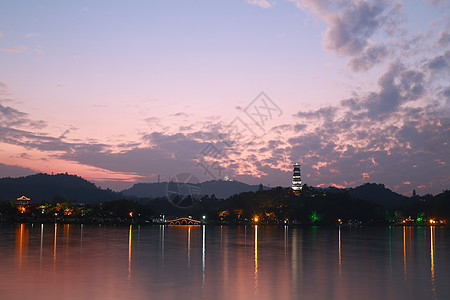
(184, 221)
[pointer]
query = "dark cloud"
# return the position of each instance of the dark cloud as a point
(396, 87)
(446, 94)
(411, 145)
(444, 38)
(440, 62)
(368, 58)
(300, 127)
(378, 138)
(10, 117)
(353, 25)
(14, 171)
(321, 113)
(349, 31)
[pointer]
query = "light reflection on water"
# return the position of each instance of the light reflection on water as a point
(56, 261)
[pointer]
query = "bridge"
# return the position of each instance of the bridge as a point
(184, 221)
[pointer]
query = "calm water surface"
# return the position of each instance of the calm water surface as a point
(197, 262)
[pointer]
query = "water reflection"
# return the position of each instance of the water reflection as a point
(42, 243)
(129, 252)
(404, 252)
(91, 262)
(256, 260)
(203, 256)
(189, 246)
(54, 243)
(433, 284)
(340, 257)
(162, 229)
(286, 240)
(22, 242)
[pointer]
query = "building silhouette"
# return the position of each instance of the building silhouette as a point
(296, 178)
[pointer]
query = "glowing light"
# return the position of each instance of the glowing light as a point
(204, 217)
(131, 214)
(255, 219)
(315, 217)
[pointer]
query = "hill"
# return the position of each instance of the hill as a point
(220, 188)
(44, 187)
(376, 193)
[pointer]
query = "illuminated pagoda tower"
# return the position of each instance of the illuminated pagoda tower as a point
(297, 178)
(22, 204)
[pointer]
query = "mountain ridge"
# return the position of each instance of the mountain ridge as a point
(43, 187)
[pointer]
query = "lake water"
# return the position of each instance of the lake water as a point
(218, 262)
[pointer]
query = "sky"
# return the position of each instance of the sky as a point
(120, 92)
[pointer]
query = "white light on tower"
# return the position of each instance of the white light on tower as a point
(296, 178)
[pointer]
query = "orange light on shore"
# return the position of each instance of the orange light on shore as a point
(255, 219)
(131, 214)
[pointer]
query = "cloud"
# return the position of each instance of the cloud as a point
(20, 49)
(14, 171)
(444, 38)
(440, 62)
(368, 58)
(165, 154)
(352, 28)
(436, 2)
(396, 87)
(1, 34)
(3, 86)
(10, 117)
(260, 3)
(446, 94)
(349, 31)
(32, 35)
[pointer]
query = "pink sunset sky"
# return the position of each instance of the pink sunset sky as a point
(120, 92)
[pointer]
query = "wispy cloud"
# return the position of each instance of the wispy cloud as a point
(11, 117)
(261, 3)
(20, 49)
(32, 35)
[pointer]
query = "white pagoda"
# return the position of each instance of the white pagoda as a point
(296, 178)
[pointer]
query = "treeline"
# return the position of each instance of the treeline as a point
(62, 210)
(275, 206)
